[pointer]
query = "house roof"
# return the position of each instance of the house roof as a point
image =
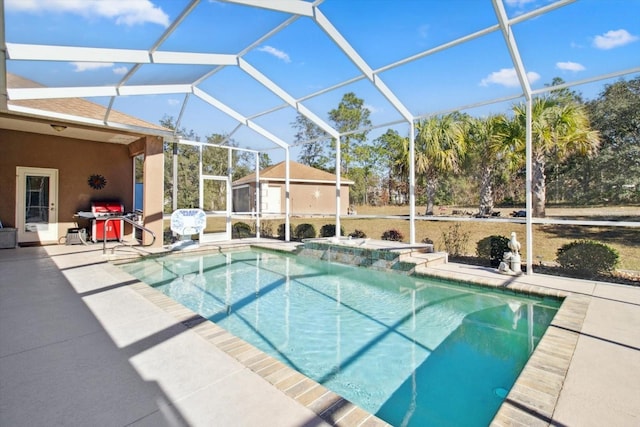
(80, 118)
(72, 106)
(297, 173)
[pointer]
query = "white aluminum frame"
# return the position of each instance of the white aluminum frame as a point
(297, 9)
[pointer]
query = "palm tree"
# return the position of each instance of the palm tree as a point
(558, 128)
(440, 147)
(485, 139)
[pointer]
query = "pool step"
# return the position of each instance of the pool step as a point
(425, 259)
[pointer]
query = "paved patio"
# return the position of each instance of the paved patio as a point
(83, 343)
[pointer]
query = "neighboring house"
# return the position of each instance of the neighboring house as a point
(46, 164)
(312, 191)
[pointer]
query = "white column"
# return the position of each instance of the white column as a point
(257, 195)
(287, 207)
(412, 183)
(3, 62)
(529, 195)
(174, 193)
(338, 172)
(229, 192)
(200, 180)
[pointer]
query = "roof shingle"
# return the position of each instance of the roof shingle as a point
(73, 106)
(297, 173)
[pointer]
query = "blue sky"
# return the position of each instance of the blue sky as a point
(578, 41)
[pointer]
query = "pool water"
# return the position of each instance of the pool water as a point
(413, 351)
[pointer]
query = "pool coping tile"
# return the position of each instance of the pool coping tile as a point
(329, 406)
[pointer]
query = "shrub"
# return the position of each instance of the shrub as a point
(493, 249)
(588, 257)
(305, 231)
(358, 234)
(168, 237)
(240, 230)
(281, 231)
(427, 240)
(266, 228)
(329, 230)
(455, 241)
(393, 234)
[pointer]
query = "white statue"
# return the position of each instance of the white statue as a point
(513, 244)
(511, 260)
(504, 264)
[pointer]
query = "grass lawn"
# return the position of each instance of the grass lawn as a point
(546, 238)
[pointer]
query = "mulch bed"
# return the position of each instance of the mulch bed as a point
(621, 277)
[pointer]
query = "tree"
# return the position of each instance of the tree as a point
(564, 95)
(311, 137)
(393, 159)
(215, 161)
(440, 148)
(559, 128)
(558, 169)
(485, 140)
(350, 115)
(616, 115)
(366, 170)
(264, 160)
(359, 192)
(188, 178)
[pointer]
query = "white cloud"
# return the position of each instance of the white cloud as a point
(173, 102)
(125, 12)
(518, 3)
(518, 7)
(423, 31)
(120, 70)
(507, 77)
(570, 66)
(373, 109)
(29, 5)
(90, 66)
(613, 38)
(275, 52)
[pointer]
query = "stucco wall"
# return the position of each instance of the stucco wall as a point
(75, 160)
(309, 198)
(153, 189)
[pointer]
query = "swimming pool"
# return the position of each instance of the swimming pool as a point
(413, 351)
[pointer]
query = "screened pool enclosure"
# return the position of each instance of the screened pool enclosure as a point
(246, 69)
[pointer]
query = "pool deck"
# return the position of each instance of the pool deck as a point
(83, 343)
